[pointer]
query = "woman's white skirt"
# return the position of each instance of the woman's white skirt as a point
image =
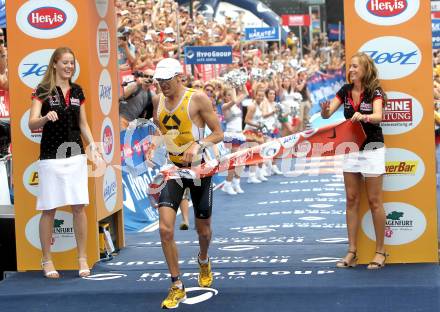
(62, 182)
(368, 162)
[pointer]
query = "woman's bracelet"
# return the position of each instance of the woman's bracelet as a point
(367, 118)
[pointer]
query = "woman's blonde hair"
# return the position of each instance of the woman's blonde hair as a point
(370, 80)
(48, 83)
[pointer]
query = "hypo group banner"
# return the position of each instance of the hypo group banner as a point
(436, 33)
(136, 177)
(396, 34)
(208, 55)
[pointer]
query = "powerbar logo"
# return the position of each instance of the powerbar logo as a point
(213, 54)
(398, 110)
(386, 8)
(401, 167)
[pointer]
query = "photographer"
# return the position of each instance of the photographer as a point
(126, 50)
(138, 99)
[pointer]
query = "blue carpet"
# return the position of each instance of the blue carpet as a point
(274, 248)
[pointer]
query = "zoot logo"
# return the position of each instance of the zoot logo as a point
(396, 57)
(34, 65)
(386, 12)
(46, 19)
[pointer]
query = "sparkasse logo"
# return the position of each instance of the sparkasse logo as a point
(46, 19)
(387, 8)
(386, 12)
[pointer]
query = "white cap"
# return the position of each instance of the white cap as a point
(168, 30)
(148, 37)
(167, 68)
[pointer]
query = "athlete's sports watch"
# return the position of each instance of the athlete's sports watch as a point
(202, 145)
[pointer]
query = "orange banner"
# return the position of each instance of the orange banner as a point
(396, 34)
(35, 29)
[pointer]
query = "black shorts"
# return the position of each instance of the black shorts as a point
(201, 195)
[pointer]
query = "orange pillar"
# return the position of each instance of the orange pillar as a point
(35, 29)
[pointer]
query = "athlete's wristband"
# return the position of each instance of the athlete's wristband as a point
(201, 144)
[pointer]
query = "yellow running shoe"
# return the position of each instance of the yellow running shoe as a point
(205, 274)
(175, 296)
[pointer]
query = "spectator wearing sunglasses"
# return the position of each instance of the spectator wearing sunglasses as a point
(138, 99)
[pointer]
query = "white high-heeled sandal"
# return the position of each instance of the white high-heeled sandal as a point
(49, 274)
(83, 272)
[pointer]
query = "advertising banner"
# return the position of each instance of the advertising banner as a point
(435, 33)
(262, 34)
(394, 34)
(208, 55)
(4, 104)
(35, 29)
(295, 20)
(136, 177)
(334, 33)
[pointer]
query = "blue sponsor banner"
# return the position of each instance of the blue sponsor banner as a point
(208, 55)
(324, 87)
(333, 32)
(262, 34)
(435, 33)
(136, 177)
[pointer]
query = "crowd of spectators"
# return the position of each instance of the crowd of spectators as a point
(149, 31)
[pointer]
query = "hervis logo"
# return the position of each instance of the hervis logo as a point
(386, 8)
(403, 169)
(46, 19)
(401, 113)
(395, 57)
(386, 12)
(63, 235)
(404, 223)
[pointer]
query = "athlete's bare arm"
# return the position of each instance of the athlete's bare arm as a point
(204, 112)
(155, 106)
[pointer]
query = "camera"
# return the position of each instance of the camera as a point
(139, 74)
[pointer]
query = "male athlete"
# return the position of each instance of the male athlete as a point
(181, 115)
